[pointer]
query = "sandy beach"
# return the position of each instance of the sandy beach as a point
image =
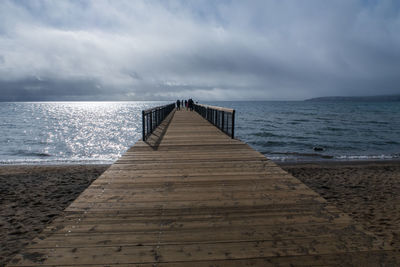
(368, 191)
(32, 196)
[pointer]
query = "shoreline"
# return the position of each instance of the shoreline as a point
(32, 196)
(290, 162)
(337, 162)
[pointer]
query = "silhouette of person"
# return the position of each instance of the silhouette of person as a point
(190, 104)
(178, 104)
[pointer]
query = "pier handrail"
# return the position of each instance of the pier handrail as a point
(222, 118)
(152, 118)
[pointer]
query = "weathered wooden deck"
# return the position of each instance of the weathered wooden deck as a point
(195, 197)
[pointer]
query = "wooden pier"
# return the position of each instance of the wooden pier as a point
(192, 196)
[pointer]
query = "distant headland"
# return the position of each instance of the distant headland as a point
(357, 98)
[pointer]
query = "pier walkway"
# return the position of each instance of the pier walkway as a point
(192, 196)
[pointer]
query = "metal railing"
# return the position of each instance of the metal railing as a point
(153, 117)
(222, 118)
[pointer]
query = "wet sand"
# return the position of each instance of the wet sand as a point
(32, 196)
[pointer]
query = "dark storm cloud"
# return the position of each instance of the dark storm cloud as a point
(134, 50)
(36, 90)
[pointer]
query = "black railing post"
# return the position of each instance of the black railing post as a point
(148, 129)
(233, 124)
(151, 121)
(214, 121)
(217, 119)
(143, 126)
(223, 120)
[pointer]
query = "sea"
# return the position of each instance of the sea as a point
(284, 131)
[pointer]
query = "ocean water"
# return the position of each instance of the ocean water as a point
(100, 132)
(68, 132)
(344, 130)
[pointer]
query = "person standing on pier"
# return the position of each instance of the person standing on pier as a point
(190, 104)
(178, 104)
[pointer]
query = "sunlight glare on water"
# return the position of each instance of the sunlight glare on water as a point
(69, 132)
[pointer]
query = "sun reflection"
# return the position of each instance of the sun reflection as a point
(97, 132)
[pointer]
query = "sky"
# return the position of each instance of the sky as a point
(207, 50)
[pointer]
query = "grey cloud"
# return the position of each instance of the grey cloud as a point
(34, 89)
(135, 50)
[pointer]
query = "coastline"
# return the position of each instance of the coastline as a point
(31, 196)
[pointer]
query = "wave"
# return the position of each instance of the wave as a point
(298, 154)
(374, 122)
(334, 129)
(31, 154)
(301, 120)
(58, 161)
(294, 156)
(278, 143)
(368, 157)
(264, 134)
(392, 142)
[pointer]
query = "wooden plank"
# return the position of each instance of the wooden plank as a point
(191, 236)
(361, 258)
(188, 252)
